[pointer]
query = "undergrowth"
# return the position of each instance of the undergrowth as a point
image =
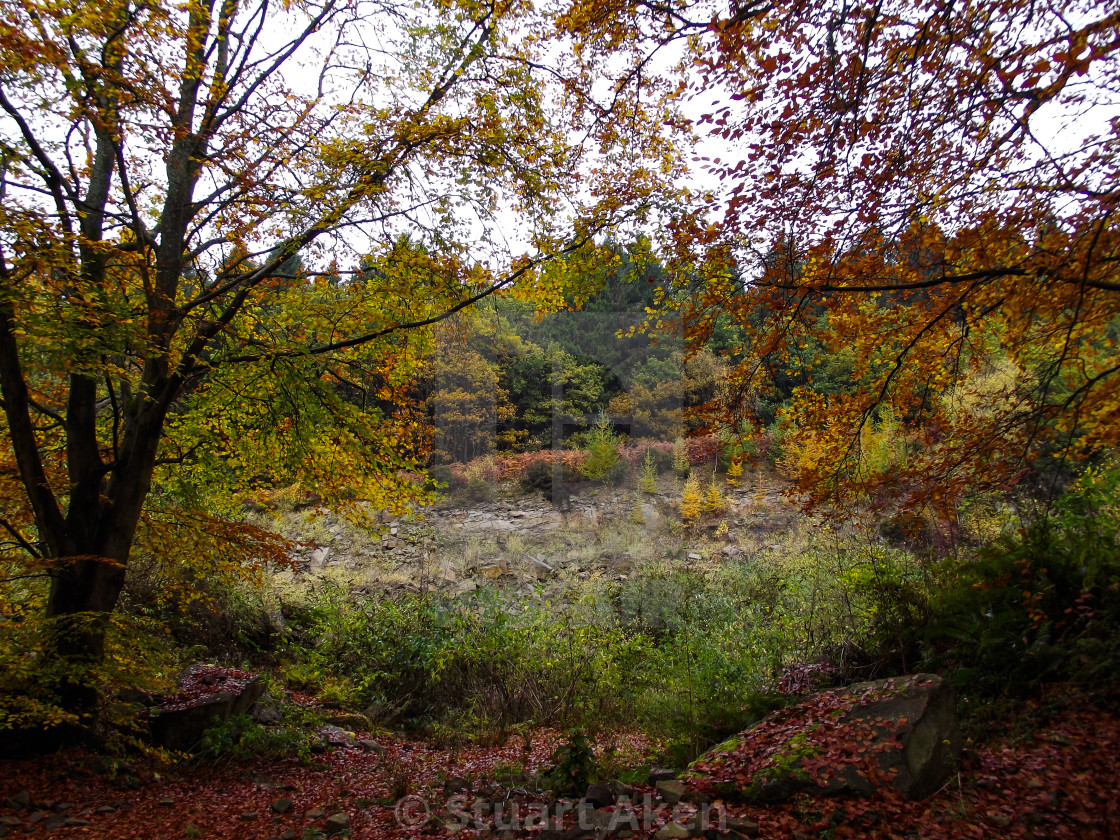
(688, 655)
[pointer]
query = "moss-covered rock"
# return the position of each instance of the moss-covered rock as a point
(902, 732)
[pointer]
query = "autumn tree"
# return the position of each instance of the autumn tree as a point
(187, 190)
(465, 400)
(927, 187)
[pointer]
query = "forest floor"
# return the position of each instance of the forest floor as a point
(1052, 774)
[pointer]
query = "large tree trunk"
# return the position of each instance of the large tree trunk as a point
(96, 546)
(83, 595)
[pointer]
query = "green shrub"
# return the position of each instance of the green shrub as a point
(423, 659)
(707, 674)
(477, 490)
(647, 483)
(661, 456)
(1040, 606)
(138, 661)
(539, 477)
(616, 473)
(603, 461)
(737, 446)
(242, 738)
(573, 765)
(681, 464)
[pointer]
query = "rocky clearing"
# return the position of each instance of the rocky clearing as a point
(524, 542)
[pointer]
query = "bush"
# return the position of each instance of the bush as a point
(138, 662)
(680, 457)
(647, 483)
(616, 473)
(603, 460)
(573, 764)
(772, 443)
(642, 652)
(424, 659)
(539, 477)
(240, 737)
(1040, 606)
(692, 501)
(710, 661)
(478, 490)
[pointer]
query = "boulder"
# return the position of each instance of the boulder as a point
(901, 732)
(267, 711)
(371, 746)
(335, 736)
(539, 568)
(671, 790)
(350, 721)
(600, 796)
(336, 824)
(921, 712)
(206, 695)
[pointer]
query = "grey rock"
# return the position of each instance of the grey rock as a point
(336, 736)
(336, 824)
(267, 711)
(620, 789)
(600, 796)
(622, 565)
(464, 587)
(540, 568)
(182, 728)
(350, 721)
(456, 784)
(671, 790)
(928, 735)
(55, 822)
